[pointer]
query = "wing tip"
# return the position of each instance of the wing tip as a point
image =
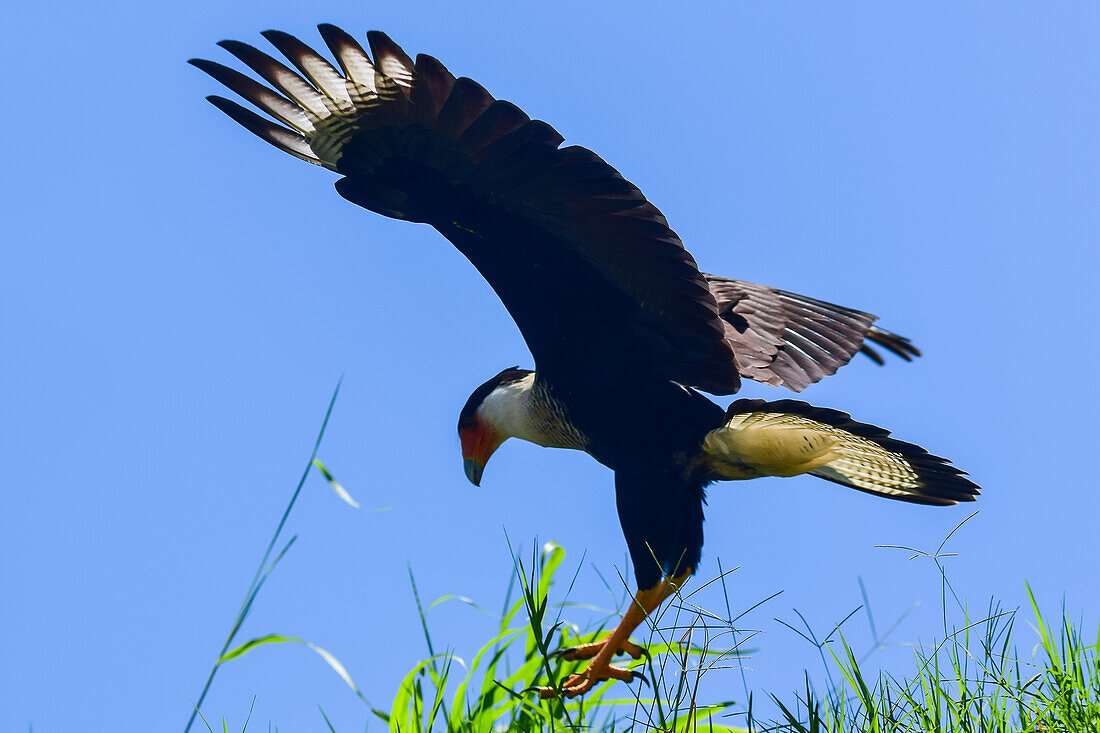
(334, 36)
(229, 45)
(275, 134)
(896, 344)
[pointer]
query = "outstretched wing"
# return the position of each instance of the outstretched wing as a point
(788, 438)
(588, 268)
(789, 340)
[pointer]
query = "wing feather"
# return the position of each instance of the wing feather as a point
(390, 61)
(274, 104)
(466, 102)
(282, 138)
(316, 67)
(789, 340)
(589, 269)
(281, 77)
(354, 61)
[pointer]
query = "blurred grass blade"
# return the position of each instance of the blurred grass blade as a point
(336, 666)
(332, 661)
(336, 486)
(327, 721)
(250, 709)
(248, 646)
(260, 575)
(204, 721)
(455, 597)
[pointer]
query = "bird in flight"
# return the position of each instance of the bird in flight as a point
(625, 331)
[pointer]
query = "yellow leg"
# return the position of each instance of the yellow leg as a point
(645, 602)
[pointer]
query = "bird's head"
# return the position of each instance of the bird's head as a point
(496, 411)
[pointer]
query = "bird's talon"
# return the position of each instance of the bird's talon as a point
(618, 673)
(577, 684)
(545, 693)
(588, 651)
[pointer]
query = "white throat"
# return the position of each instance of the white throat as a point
(525, 409)
(508, 408)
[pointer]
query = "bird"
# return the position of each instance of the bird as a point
(626, 333)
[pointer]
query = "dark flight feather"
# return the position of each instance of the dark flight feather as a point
(279, 136)
(789, 340)
(589, 268)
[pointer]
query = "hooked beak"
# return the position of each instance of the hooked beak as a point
(473, 470)
(478, 443)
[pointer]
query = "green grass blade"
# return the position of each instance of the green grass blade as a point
(336, 485)
(257, 579)
(253, 643)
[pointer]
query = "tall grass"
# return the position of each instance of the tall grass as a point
(495, 691)
(267, 565)
(972, 680)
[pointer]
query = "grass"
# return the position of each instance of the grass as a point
(973, 679)
(266, 567)
(493, 691)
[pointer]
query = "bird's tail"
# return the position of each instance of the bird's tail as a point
(788, 438)
(392, 125)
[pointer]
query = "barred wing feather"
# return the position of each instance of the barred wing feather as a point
(790, 340)
(588, 268)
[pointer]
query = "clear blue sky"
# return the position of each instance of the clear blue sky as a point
(177, 300)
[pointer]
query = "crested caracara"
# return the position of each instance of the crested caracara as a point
(623, 327)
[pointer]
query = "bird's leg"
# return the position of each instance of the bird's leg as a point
(600, 669)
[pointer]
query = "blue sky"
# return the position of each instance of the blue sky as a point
(178, 299)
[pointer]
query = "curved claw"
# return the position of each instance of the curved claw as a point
(544, 692)
(618, 673)
(578, 684)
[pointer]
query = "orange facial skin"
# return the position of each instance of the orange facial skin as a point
(479, 442)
